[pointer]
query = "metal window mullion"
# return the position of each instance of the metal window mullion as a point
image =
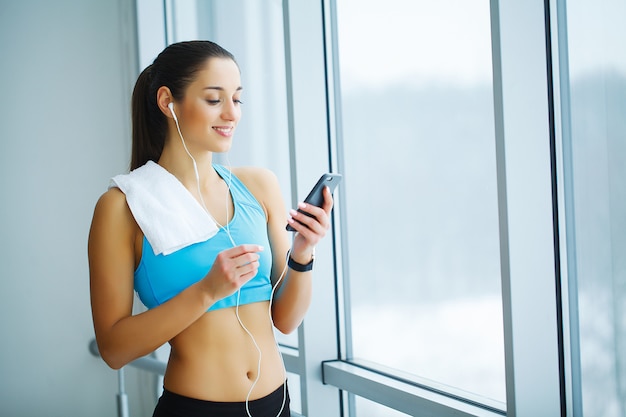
(169, 21)
(525, 200)
(567, 231)
(335, 111)
(342, 261)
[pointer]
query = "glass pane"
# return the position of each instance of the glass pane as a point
(420, 180)
(598, 211)
(253, 32)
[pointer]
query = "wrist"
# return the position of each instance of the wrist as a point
(302, 258)
(301, 263)
(204, 293)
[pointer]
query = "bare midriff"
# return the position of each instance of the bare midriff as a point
(215, 359)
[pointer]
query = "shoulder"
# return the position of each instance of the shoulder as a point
(259, 181)
(263, 184)
(112, 200)
(113, 232)
(112, 209)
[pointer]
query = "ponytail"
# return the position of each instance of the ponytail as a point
(175, 68)
(149, 124)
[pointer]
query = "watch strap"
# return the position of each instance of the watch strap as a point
(300, 267)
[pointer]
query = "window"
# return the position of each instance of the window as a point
(594, 80)
(422, 238)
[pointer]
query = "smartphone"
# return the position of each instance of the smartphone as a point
(316, 196)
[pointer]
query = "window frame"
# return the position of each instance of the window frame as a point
(527, 198)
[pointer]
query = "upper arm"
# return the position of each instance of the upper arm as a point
(111, 261)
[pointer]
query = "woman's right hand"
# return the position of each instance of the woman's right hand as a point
(232, 269)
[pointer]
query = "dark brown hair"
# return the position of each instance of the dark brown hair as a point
(174, 68)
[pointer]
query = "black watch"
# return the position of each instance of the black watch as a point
(300, 267)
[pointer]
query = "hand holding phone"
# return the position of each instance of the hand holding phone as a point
(316, 195)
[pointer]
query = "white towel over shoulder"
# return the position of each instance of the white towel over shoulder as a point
(168, 215)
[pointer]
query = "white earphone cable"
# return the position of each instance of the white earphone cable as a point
(227, 230)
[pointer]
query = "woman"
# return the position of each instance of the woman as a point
(203, 247)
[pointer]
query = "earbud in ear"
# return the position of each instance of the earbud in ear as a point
(171, 107)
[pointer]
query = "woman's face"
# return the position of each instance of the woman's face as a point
(211, 107)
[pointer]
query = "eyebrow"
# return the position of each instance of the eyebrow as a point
(221, 88)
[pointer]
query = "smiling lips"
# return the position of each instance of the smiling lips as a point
(224, 130)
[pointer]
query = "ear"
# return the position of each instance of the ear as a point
(163, 98)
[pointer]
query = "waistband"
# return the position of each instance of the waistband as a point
(175, 405)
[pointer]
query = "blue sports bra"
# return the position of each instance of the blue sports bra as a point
(159, 278)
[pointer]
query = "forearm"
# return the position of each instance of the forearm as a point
(292, 300)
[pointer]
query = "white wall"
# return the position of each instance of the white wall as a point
(66, 74)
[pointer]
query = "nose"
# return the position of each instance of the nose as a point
(231, 111)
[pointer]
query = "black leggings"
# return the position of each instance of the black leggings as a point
(175, 405)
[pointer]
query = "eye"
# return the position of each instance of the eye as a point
(213, 102)
(238, 101)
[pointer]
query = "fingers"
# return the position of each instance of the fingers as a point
(316, 220)
(233, 268)
(242, 250)
(311, 221)
(246, 265)
(244, 259)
